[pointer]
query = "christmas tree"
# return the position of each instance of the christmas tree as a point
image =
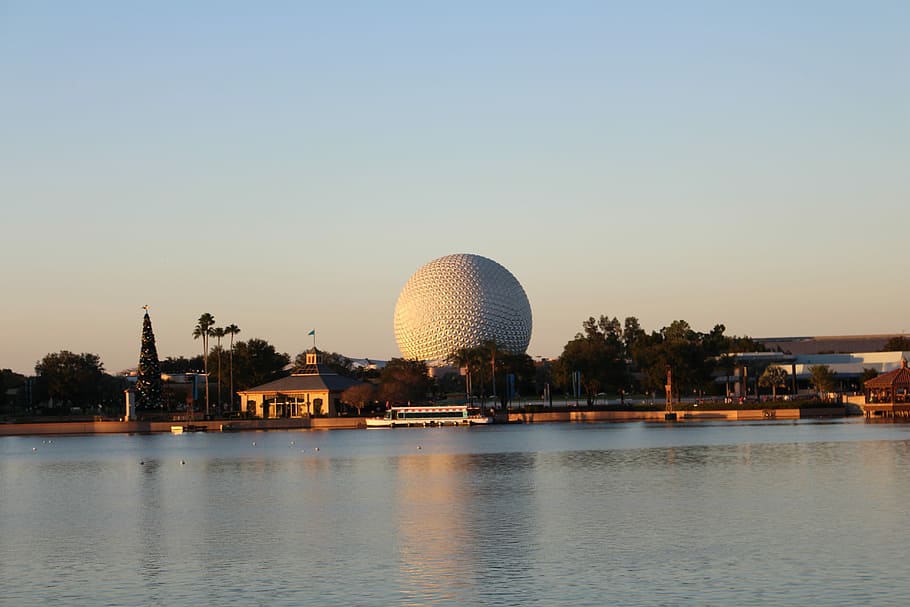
(148, 385)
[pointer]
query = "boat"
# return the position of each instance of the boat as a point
(430, 415)
(188, 428)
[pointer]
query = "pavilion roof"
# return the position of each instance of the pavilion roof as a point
(331, 382)
(899, 378)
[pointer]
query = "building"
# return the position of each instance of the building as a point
(315, 390)
(828, 344)
(848, 369)
(851, 365)
(888, 394)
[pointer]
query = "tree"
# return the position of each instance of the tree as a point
(232, 330)
(487, 360)
(822, 378)
(112, 388)
(687, 353)
(490, 358)
(404, 381)
(218, 333)
(597, 355)
(69, 377)
(867, 375)
(182, 364)
(11, 381)
(774, 376)
(898, 343)
(203, 330)
(148, 382)
(359, 396)
(604, 327)
(256, 362)
(468, 360)
(487, 353)
(521, 368)
(631, 333)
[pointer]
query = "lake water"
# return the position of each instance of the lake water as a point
(728, 514)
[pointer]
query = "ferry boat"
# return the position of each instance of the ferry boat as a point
(188, 428)
(428, 415)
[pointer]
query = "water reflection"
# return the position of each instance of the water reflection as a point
(152, 558)
(561, 515)
(463, 524)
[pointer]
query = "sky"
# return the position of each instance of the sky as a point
(287, 166)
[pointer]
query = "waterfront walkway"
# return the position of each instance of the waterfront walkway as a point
(349, 423)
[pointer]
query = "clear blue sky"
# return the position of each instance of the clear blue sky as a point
(288, 165)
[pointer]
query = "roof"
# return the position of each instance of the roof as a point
(311, 382)
(899, 378)
(315, 369)
(828, 343)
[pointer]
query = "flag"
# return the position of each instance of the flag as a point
(313, 332)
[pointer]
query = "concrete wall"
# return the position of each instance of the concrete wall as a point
(658, 416)
(586, 416)
(145, 427)
(855, 404)
(337, 423)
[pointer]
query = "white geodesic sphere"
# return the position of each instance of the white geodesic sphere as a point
(461, 301)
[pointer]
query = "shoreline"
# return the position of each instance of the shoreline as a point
(353, 423)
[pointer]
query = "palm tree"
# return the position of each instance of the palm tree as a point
(773, 376)
(491, 346)
(204, 330)
(464, 358)
(218, 333)
(822, 377)
(232, 330)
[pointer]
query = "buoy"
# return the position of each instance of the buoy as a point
(293, 442)
(315, 448)
(254, 443)
(34, 448)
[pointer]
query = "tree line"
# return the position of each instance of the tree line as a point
(607, 356)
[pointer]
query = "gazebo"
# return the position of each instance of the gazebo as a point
(888, 395)
(315, 390)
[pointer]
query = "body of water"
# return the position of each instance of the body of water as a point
(777, 513)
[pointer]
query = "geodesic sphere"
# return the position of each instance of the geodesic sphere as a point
(461, 301)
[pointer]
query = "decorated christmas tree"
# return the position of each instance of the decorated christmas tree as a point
(148, 385)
